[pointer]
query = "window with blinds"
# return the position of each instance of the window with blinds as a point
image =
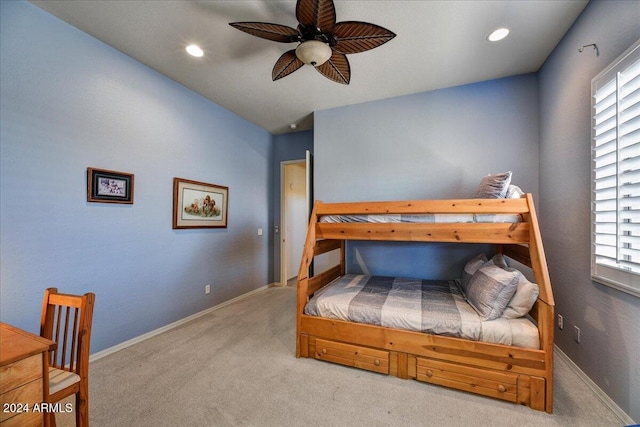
(615, 249)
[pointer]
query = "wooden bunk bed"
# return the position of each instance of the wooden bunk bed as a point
(518, 375)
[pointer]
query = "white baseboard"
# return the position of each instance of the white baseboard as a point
(132, 341)
(624, 417)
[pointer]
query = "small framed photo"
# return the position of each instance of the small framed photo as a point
(199, 205)
(106, 186)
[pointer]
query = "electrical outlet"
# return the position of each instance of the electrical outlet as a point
(576, 332)
(560, 322)
(207, 289)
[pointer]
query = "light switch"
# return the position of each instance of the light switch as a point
(259, 231)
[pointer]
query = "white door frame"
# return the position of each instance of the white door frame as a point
(283, 219)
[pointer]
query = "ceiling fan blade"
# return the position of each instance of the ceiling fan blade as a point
(337, 68)
(265, 30)
(286, 64)
(356, 37)
(316, 14)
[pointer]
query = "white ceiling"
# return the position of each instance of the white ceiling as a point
(438, 44)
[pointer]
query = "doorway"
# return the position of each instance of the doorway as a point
(293, 214)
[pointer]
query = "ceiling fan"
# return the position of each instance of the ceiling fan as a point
(323, 43)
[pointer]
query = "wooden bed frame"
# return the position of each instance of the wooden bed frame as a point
(518, 375)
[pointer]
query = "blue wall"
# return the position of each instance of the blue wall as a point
(69, 102)
(609, 320)
(432, 145)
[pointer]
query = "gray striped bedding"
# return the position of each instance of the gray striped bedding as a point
(423, 218)
(431, 306)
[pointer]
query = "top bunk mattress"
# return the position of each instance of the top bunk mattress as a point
(423, 218)
(431, 306)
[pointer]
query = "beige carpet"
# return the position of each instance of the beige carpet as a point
(236, 367)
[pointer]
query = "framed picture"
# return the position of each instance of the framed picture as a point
(105, 186)
(199, 205)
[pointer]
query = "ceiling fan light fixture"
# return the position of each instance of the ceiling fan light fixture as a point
(323, 42)
(313, 52)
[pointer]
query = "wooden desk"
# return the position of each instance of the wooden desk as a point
(24, 376)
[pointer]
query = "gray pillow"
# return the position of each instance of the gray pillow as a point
(494, 186)
(490, 290)
(499, 260)
(470, 268)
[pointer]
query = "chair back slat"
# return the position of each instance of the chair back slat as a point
(58, 322)
(74, 335)
(65, 338)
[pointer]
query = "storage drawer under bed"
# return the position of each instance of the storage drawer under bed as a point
(352, 355)
(488, 383)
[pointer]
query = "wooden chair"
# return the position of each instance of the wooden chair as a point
(66, 319)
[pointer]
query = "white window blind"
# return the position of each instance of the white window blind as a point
(615, 249)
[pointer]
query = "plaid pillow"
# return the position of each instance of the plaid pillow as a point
(494, 186)
(490, 290)
(470, 268)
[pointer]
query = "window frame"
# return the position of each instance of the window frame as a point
(618, 278)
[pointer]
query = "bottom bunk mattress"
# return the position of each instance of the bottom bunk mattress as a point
(430, 306)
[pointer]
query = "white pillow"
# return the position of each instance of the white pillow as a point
(514, 192)
(523, 299)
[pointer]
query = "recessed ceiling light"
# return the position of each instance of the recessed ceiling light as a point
(293, 126)
(194, 50)
(498, 34)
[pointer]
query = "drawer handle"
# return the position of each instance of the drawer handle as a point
(429, 373)
(501, 388)
(324, 351)
(376, 362)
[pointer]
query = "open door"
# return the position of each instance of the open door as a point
(310, 200)
(294, 215)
